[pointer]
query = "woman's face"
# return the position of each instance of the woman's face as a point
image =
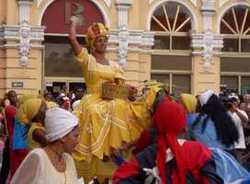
(101, 44)
(71, 140)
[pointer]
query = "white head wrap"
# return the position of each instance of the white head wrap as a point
(76, 105)
(204, 97)
(58, 123)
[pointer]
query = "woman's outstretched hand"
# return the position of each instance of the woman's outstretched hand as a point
(72, 35)
(73, 23)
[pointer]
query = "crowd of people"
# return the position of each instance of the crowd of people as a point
(135, 135)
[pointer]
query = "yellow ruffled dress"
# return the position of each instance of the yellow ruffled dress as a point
(104, 124)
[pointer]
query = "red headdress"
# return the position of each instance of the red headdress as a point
(170, 120)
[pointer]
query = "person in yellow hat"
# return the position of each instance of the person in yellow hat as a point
(189, 102)
(32, 113)
(107, 123)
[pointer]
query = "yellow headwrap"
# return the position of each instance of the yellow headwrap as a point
(25, 97)
(154, 87)
(189, 101)
(28, 110)
(94, 31)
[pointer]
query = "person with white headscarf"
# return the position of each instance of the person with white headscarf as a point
(53, 163)
(214, 128)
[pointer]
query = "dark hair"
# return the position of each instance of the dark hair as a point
(159, 97)
(226, 130)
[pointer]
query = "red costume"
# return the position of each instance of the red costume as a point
(186, 162)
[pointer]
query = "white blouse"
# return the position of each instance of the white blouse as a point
(38, 169)
(241, 144)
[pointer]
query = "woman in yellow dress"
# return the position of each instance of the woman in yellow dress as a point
(106, 125)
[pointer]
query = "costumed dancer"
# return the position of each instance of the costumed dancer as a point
(10, 159)
(171, 160)
(227, 167)
(105, 125)
(30, 116)
(28, 131)
(213, 126)
(52, 164)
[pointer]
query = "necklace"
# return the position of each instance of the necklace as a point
(56, 159)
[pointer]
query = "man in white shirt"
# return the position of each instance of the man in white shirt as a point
(240, 119)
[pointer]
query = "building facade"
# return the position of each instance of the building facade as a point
(190, 45)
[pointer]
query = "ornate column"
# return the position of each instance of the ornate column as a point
(22, 44)
(24, 10)
(206, 51)
(123, 7)
(207, 45)
(24, 33)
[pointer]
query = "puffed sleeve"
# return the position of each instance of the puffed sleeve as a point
(119, 72)
(83, 57)
(29, 171)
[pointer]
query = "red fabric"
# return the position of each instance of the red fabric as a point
(10, 113)
(16, 158)
(201, 154)
(126, 170)
(170, 120)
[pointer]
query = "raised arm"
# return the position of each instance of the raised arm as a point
(72, 36)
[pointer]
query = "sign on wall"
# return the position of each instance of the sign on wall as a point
(17, 84)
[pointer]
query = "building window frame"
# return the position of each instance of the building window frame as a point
(238, 33)
(172, 31)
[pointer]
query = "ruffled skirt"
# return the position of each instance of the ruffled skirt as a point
(106, 125)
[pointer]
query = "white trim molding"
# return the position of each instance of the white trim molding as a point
(156, 4)
(96, 2)
(24, 31)
(25, 45)
(226, 6)
(13, 33)
(207, 45)
(123, 36)
(123, 33)
(193, 1)
(108, 2)
(208, 10)
(39, 2)
(24, 10)
(208, 5)
(123, 7)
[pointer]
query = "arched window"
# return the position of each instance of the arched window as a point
(235, 60)
(60, 68)
(171, 58)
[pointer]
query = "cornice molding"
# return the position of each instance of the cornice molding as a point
(194, 2)
(12, 32)
(208, 5)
